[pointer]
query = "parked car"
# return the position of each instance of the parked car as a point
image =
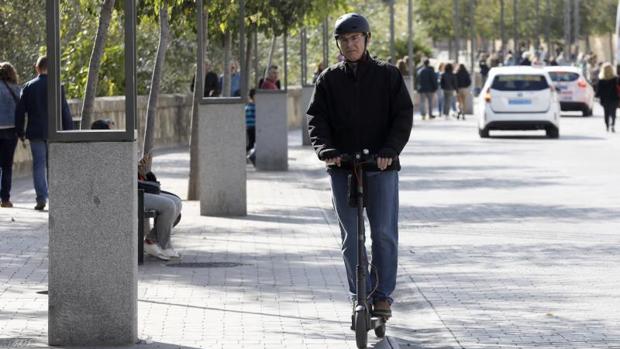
(574, 91)
(518, 98)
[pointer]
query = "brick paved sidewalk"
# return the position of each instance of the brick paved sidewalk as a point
(509, 242)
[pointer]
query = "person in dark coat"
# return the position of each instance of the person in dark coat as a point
(463, 82)
(607, 92)
(33, 102)
(449, 87)
(363, 103)
(426, 87)
(211, 86)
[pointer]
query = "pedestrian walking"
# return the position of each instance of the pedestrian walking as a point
(440, 70)
(235, 81)
(607, 92)
(211, 84)
(250, 127)
(361, 104)
(449, 86)
(9, 92)
(33, 103)
(426, 82)
(463, 83)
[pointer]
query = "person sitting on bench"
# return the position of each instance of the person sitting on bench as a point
(168, 207)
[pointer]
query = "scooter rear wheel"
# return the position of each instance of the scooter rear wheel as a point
(361, 330)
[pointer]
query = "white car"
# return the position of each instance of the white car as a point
(574, 91)
(518, 98)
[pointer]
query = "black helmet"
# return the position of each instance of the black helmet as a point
(351, 23)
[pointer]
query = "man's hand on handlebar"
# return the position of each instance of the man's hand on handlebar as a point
(332, 161)
(383, 163)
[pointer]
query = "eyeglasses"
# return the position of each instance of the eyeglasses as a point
(350, 39)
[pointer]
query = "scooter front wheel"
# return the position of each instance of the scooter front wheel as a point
(361, 329)
(380, 331)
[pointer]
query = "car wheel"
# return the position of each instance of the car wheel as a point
(587, 111)
(484, 133)
(553, 132)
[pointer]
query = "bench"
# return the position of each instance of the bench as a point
(142, 216)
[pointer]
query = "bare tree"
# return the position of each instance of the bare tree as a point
(151, 109)
(95, 61)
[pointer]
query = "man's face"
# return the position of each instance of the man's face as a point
(352, 46)
(233, 67)
(273, 74)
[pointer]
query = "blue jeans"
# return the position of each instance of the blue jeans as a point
(38, 148)
(382, 212)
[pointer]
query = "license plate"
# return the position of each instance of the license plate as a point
(520, 101)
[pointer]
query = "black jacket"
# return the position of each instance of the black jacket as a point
(448, 81)
(463, 79)
(607, 91)
(33, 101)
(367, 109)
(427, 80)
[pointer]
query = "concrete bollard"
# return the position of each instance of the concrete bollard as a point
(222, 161)
(271, 131)
(306, 94)
(93, 244)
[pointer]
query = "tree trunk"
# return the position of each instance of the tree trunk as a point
(567, 29)
(516, 54)
(151, 108)
(193, 192)
(95, 61)
(548, 28)
(577, 27)
(455, 29)
(538, 29)
(248, 62)
(502, 27)
(270, 58)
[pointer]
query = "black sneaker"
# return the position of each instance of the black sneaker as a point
(40, 206)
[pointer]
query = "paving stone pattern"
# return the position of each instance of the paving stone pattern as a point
(507, 242)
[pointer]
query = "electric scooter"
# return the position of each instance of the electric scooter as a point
(362, 320)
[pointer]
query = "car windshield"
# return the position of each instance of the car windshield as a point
(519, 82)
(563, 76)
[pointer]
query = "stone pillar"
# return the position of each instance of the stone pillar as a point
(221, 149)
(93, 244)
(271, 131)
(306, 94)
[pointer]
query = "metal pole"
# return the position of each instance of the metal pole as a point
(131, 93)
(411, 67)
(392, 48)
(53, 67)
(284, 42)
(200, 53)
(325, 42)
(472, 27)
(244, 79)
(303, 60)
(410, 40)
